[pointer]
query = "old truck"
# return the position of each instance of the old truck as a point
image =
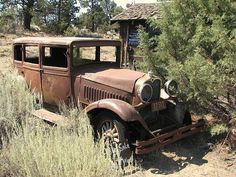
(138, 111)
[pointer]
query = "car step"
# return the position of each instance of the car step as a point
(48, 116)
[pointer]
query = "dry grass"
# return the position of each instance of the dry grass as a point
(33, 149)
(15, 102)
(56, 152)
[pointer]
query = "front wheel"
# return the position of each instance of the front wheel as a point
(114, 133)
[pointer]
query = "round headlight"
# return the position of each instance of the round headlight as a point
(145, 93)
(171, 87)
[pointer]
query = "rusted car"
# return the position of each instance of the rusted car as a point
(136, 111)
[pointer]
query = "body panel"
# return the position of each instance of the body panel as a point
(56, 85)
(32, 74)
(110, 75)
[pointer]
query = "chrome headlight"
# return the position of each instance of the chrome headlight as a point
(171, 88)
(145, 93)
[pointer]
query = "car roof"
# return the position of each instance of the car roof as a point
(62, 40)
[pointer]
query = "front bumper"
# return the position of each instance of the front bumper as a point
(167, 136)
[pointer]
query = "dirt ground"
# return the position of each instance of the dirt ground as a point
(194, 156)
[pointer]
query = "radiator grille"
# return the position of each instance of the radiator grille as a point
(94, 94)
(156, 86)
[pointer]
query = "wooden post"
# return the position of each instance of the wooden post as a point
(97, 58)
(126, 44)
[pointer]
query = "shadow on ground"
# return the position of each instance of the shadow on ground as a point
(177, 156)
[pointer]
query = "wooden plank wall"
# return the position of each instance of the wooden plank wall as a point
(125, 28)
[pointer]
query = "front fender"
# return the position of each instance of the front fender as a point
(124, 110)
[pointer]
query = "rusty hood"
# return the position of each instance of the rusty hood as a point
(122, 79)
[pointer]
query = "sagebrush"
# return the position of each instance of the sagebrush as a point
(33, 148)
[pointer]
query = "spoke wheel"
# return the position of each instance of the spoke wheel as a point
(109, 131)
(115, 136)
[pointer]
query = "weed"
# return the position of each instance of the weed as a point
(218, 129)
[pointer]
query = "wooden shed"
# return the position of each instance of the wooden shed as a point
(129, 21)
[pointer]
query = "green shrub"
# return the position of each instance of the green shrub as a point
(71, 31)
(197, 79)
(74, 31)
(8, 21)
(197, 47)
(218, 129)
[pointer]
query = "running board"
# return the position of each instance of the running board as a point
(48, 116)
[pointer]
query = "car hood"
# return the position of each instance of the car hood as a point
(122, 79)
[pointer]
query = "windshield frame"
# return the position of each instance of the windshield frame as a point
(97, 44)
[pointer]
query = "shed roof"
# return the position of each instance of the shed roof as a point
(59, 40)
(139, 11)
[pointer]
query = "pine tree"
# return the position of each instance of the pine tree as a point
(55, 16)
(25, 7)
(197, 47)
(99, 13)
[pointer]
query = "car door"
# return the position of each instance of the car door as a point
(31, 67)
(56, 80)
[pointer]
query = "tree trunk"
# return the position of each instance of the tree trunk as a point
(59, 11)
(27, 14)
(93, 22)
(27, 20)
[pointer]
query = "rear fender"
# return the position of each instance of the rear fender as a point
(124, 110)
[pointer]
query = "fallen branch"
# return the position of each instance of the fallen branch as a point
(224, 142)
(231, 164)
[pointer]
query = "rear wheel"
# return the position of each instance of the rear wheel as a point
(114, 133)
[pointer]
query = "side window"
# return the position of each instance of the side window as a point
(18, 52)
(55, 56)
(32, 54)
